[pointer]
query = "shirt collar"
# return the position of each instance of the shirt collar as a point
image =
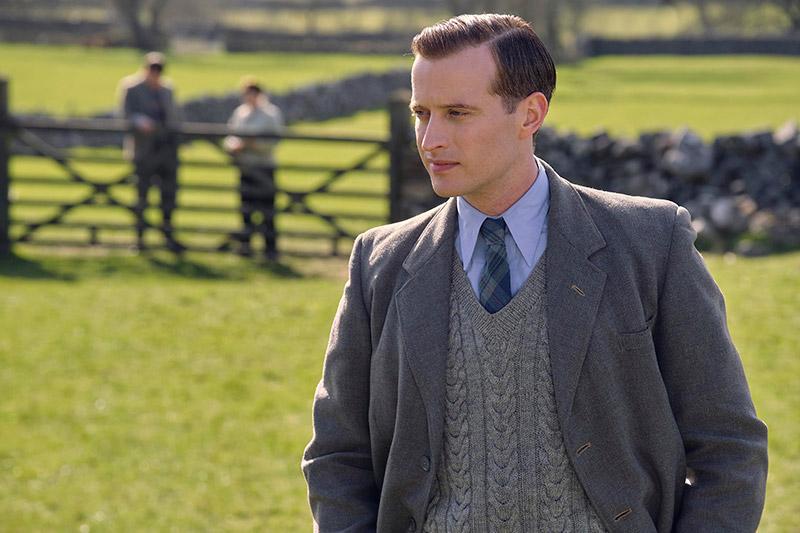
(524, 219)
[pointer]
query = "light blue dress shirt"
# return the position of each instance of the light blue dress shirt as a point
(526, 238)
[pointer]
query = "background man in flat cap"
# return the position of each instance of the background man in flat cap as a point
(531, 355)
(149, 104)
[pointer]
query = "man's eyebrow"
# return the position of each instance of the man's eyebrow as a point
(459, 106)
(415, 105)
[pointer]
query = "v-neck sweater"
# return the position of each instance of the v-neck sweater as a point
(503, 465)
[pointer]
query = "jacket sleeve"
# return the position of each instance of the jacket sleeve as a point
(174, 111)
(725, 443)
(337, 463)
(126, 102)
(131, 107)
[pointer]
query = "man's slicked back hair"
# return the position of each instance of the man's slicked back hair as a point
(524, 65)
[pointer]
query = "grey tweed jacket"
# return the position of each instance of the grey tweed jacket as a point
(651, 396)
(137, 101)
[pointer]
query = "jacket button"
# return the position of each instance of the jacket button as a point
(412, 524)
(425, 463)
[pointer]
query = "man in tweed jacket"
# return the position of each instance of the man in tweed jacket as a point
(623, 405)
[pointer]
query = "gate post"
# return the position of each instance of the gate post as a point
(5, 145)
(410, 191)
(400, 138)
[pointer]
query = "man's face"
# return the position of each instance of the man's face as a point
(154, 73)
(468, 142)
(250, 97)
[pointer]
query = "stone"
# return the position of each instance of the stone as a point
(726, 216)
(786, 134)
(688, 158)
(762, 223)
(785, 233)
(646, 184)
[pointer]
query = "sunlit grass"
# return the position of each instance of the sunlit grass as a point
(74, 80)
(148, 393)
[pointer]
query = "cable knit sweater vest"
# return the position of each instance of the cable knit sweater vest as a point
(503, 465)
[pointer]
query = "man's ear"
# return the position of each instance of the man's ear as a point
(535, 106)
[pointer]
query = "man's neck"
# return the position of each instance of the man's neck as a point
(508, 192)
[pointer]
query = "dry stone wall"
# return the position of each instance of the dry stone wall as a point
(743, 191)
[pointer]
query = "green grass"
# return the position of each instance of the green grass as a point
(711, 95)
(629, 95)
(626, 95)
(144, 395)
(74, 80)
(763, 317)
(147, 394)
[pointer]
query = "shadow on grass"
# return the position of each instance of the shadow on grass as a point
(74, 268)
(184, 267)
(15, 266)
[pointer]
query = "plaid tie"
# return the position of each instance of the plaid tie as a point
(495, 282)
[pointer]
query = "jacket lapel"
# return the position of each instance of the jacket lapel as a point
(423, 305)
(574, 287)
(574, 290)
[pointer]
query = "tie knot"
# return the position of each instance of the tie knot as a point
(494, 231)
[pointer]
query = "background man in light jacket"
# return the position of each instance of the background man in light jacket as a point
(532, 355)
(256, 161)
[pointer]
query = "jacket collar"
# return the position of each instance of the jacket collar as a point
(435, 239)
(569, 217)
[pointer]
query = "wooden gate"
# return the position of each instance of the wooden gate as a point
(328, 188)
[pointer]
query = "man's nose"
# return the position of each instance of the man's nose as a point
(434, 135)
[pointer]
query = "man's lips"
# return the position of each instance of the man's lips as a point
(440, 165)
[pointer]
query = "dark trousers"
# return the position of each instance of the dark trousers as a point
(165, 174)
(258, 201)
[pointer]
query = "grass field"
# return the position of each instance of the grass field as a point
(147, 394)
(628, 95)
(625, 95)
(74, 80)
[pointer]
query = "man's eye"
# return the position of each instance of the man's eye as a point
(455, 113)
(419, 113)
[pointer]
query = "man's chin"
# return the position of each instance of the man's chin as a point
(442, 189)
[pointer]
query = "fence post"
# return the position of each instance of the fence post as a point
(5, 144)
(410, 191)
(398, 147)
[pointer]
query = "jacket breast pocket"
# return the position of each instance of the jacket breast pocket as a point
(638, 341)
